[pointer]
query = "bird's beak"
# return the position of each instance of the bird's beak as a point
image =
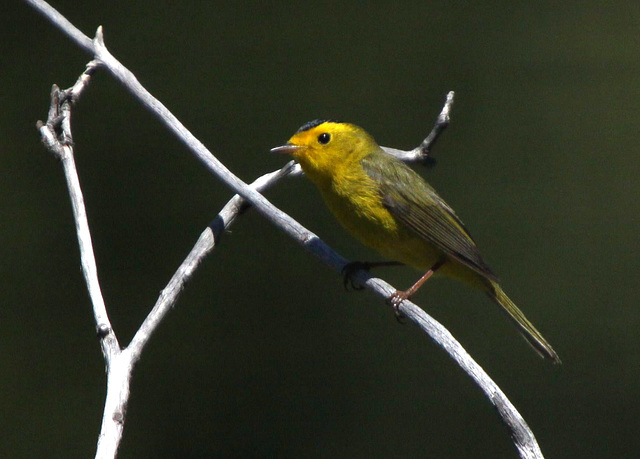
(288, 149)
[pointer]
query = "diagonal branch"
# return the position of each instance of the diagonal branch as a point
(120, 363)
(203, 247)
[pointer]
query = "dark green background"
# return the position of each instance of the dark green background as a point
(265, 354)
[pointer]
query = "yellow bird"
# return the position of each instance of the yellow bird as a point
(390, 208)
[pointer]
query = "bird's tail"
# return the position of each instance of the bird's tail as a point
(529, 332)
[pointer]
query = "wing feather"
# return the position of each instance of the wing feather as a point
(420, 209)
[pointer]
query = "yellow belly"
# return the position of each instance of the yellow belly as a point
(365, 217)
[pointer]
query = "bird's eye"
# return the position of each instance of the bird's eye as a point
(324, 138)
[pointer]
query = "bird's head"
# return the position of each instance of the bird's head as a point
(324, 146)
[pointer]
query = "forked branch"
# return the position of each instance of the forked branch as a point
(56, 134)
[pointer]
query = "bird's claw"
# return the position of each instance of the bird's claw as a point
(348, 271)
(395, 301)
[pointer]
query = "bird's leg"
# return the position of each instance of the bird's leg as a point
(354, 266)
(397, 298)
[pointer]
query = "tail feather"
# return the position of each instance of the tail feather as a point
(529, 332)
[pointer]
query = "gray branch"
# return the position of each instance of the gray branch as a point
(422, 153)
(56, 134)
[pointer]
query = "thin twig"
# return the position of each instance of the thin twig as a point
(422, 153)
(523, 437)
(203, 247)
(56, 134)
(117, 375)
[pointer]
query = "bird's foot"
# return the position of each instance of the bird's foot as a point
(350, 268)
(348, 271)
(396, 300)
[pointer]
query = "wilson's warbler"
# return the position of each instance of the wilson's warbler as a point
(389, 207)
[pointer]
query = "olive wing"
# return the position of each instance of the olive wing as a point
(417, 205)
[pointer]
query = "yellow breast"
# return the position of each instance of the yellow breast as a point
(353, 197)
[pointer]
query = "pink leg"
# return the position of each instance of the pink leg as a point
(400, 296)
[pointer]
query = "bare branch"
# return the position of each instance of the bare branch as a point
(422, 152)
(203, 247)
(62, 23)
(120, 363)
(56, 135)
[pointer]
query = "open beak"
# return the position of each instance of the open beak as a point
(288, 149)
